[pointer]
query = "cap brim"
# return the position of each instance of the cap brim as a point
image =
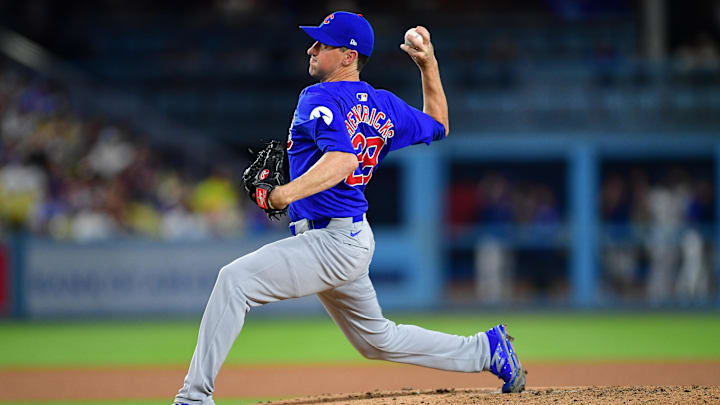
(319, 35)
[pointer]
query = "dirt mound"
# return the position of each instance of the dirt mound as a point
(555, 396)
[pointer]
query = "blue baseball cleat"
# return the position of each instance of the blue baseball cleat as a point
(504, 362)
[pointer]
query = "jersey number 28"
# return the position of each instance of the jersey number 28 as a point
(367, 158)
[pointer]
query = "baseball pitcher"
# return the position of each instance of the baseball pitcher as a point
(341, 131)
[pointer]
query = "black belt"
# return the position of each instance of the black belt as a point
(323, 223)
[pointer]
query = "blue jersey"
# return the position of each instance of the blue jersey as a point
(355, 118)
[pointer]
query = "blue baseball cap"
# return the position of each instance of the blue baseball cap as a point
(342, 28)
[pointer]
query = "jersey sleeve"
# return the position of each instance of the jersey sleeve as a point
(326, 123)
(413, 126)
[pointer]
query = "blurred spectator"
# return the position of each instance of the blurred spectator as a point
(666, 218)
(92, 224)
(615, 204)
(463, 201)
(496, 205)
(22, 189)
(179, 220)
(111, 154)
(700, 205)
(493, 271)
(619, 260)
(216, 199)
(181, 223)
(693, 281)
(698, 62)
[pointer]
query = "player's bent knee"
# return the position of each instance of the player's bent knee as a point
(232, 275)
(367, 350)
(371, 354)
(377, 345)
(375, 351)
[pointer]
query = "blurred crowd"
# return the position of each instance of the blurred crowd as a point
(659, 224)
(517, 253)
(76, 177)
(497, 199)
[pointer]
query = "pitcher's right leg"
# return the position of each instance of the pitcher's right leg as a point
(355, 309)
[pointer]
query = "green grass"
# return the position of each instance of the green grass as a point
(540, 337)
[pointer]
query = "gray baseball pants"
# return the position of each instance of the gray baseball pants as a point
(334, 265)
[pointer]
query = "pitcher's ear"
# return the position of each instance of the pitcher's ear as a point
(350, 56)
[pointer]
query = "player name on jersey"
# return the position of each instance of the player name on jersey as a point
(374, 118)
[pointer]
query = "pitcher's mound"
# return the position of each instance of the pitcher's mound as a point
(550, 396)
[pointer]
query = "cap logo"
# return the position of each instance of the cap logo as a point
(353, 42)
(328, 18)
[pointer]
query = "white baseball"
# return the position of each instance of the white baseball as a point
(412, 33)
